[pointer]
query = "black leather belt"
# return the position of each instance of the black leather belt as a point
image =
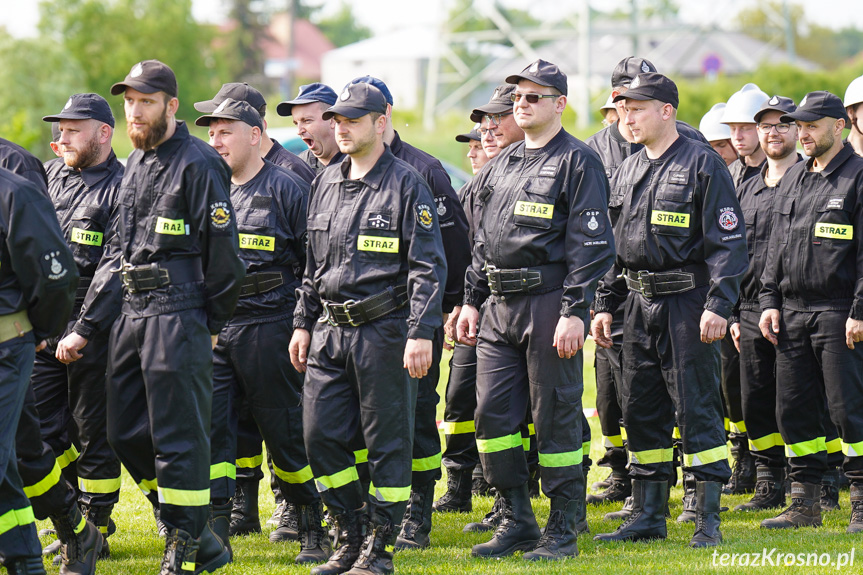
(83, 286)
(356, 313)
(261, 282)
(156, 275)
(523, 280)
(669, 282)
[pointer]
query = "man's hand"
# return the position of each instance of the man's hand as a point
(769, 325)
(568, 336)
(418, 357)
(41, 345)
(465, 329)
(601, 329)
(449, 327)
(214, 339)
(735, 335)
(713, 327)
(299, 348)
(853, 332)
(68, 350)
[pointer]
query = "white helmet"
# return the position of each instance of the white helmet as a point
(743, 105)
(711, 125)
(609, 104)
(854, 93)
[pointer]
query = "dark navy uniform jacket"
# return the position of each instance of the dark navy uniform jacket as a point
(315, 164)
(18, 160)
(291, 162)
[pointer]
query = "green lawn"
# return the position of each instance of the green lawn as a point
(137, 550)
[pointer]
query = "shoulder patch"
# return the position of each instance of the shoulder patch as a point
(592, 223)
(220, 215)
(52, 265)
(444, 212)
(424, 216)
(728, 220)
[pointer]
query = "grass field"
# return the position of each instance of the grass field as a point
(136, 549)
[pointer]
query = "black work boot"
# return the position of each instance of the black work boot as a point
(856, 523)
(25, 566)
(559, 537)
(314, 544)
(82, 542)
(350, 532)
(287, 529)
(830, 490)
(417, 522)
(581, 526)
(804, 511)
(619, 490)
(220, 515)
(161, 528)
(604, 483)
(689, 497)
(457, 497)
(212, 552)
(707, 520)
(743, 469)
(533, 488)
(490, 521)
(245, 518)
(479, 486)
(376, 555)
(517, 530)
(769, 490)
(624, 512)
(101, 517)
(649, 499)
(276, 517)
(181, 551)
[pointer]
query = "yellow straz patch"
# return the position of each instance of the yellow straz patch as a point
(669, 219)
(86, 237)
(170, 227)
(534, 210)
(253, 242)
(378, 244)
(834, 231)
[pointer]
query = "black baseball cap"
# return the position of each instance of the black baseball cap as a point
(542, 73)
(239, 91)
(377, 83)
(500, 102)
(628, 68)
(357, 100)
(308, 94)
(84, 107)
(231, 109)
(651, 86)
(149, 76)
(817, 105)
(775, 104)
(473, 135)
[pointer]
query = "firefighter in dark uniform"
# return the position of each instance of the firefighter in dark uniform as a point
(812, 308)
(245, 518)
(681, 252)
(270, 206)
(453, 228)
(542, 244)
(19, 161)
(614, 144)
(37, 290)
(176, 254)
(307, 111)
(757, 356)
(374, 283)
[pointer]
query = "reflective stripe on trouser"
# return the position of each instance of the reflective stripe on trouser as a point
(40, 472)
(608, 381)
(668, 370)
(17, 527)
(517, 367)
(251, 361)
(250, 449)
(818, 375)
(426, 452)
(160, 373)
(758, 392)
(458, 419)
(355, 381)
(730, 378)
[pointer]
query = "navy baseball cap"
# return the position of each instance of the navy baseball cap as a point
(239, 91)
(542, 73)
(651, 86)
(775, 104)
(308, 94)
(377, 83)
(817, 105)
(231, 109)
(473, 135)
(84, 107)
(149, 76)
(628, 68)
(500, 103)
(357, 100)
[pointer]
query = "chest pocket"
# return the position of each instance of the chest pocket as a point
(257, 235)
(534, 206)
(750, 217)
(87, 232)
(170, 226)
(672, 212)
(378, 239)
(783, 206)
(833, 225)
(318, 233)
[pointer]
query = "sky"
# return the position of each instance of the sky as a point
(21, 17)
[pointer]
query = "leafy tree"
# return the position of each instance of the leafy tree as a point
(342, 28)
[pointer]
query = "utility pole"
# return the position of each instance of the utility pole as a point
(288, 82)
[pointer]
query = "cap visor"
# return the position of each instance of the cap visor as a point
(514, 79)
(121, 87)
(801, 116)
(463, 138)
(66, 116)
(490, 109)
(346, 111)
(634, 95)
(206, 106)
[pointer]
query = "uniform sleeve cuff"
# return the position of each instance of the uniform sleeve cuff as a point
(856, 311)
(604, 305)
(719, 307)
(421, 332)
(215, 326)
(770, 302)
(301, 322)
(83, 329)
(473, 298)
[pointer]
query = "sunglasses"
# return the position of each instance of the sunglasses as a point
(781, 128)
(495, 119)
(531, 98)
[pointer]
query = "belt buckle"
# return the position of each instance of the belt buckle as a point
(646, 288)
(346, 306)
(327, 317)
(493, 277)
